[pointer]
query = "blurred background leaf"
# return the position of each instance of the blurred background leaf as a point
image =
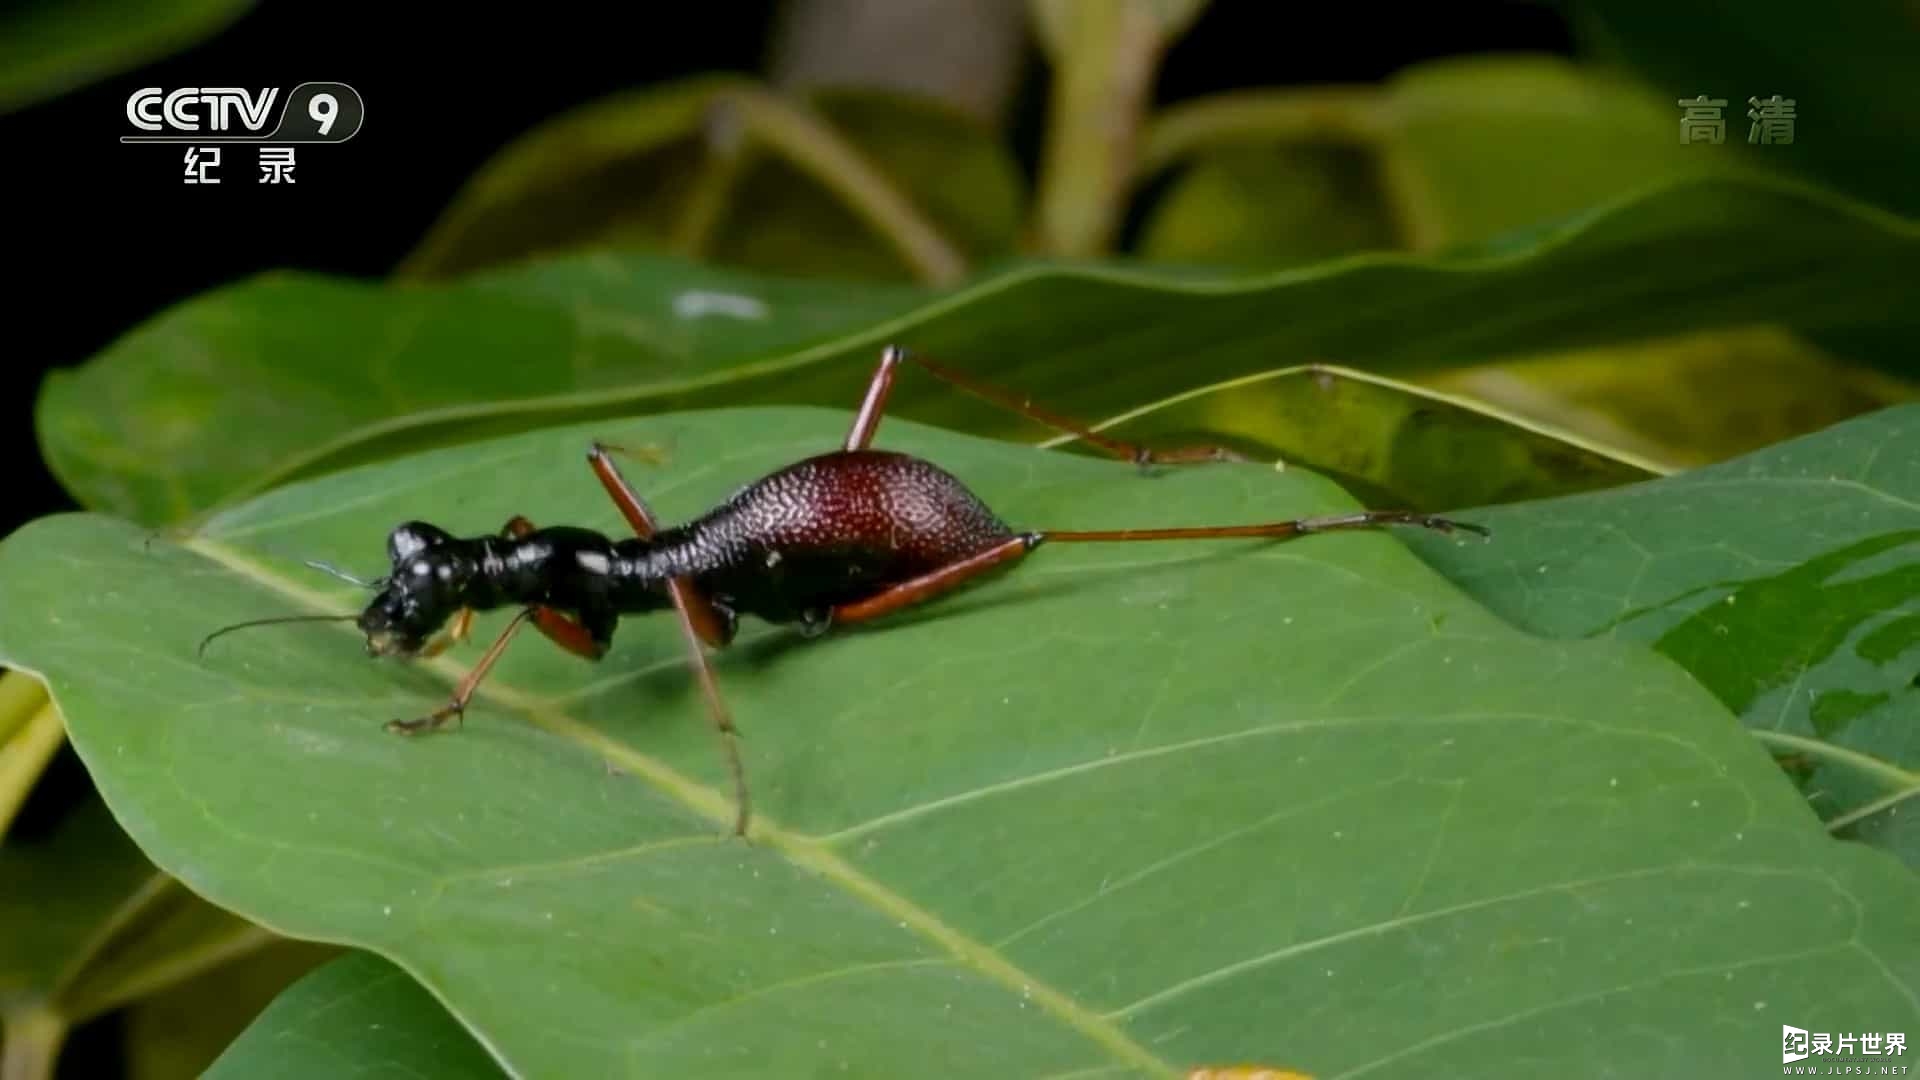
(1849, 67)
(198, 405)
(88, 925)
(1688, 399)
(51, 47)
(1469, 151)
(360, 1016)
(713, 167)
(174, 1034)
(1388, 443)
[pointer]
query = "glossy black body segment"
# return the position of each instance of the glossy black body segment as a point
(790, 547)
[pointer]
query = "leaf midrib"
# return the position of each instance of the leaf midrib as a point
(804, 852)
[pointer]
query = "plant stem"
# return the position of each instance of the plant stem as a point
(1344, 114)
(98, 993)
(965, 53)
(706, 206)
(1881, 805)
(1893, 776)
(20, 697)
(816, 149)
(24, 757)
(1105, 56)
(33, 1039)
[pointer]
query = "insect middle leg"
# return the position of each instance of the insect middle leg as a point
(709, 623)
(873, 407)
(700, 621)
(563, 630)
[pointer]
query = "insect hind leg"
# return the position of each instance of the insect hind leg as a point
(872, 408)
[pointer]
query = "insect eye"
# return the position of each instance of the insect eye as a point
(408, 540)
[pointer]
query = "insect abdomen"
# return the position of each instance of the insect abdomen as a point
(840, 527)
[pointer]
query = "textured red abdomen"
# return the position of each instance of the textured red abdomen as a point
(886, 503)
(832, 529)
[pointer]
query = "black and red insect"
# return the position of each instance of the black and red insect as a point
(843, 537)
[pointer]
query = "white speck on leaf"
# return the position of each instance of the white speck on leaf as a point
(699, 303)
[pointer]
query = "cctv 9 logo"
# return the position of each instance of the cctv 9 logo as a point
(314, 112)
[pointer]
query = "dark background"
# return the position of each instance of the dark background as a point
(111, 235)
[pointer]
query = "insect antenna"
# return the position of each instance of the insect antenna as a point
(328, 568)
(202, 650)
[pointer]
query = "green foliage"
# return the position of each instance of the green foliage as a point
(1786, 582)
(1062, 822)
(180, 415)
(1849, 68)
(1465, 150)
(358, 1016)
(52, 47)
(121, 931)
(1387, 443)
(686, 167)
(1128, 810)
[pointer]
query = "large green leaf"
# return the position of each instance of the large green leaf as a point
(1787, 582)
(357, 1016)
(301, 369)
(1131, 808)
(252, 384)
